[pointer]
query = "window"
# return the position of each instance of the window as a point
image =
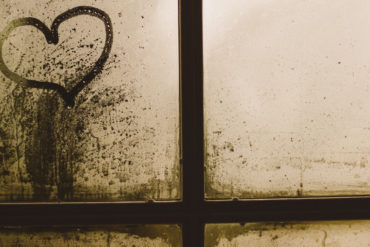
(285, 105)
(94, 139)
(193, 212)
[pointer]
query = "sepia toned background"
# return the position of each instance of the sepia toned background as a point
(120, 140)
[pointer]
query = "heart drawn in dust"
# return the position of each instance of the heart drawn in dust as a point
(52, 37)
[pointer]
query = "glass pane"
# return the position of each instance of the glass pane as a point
(106, 126)
(303, 234)
(287, 101)
(109, 236)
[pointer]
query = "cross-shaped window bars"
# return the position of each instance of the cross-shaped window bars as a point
(193, 212)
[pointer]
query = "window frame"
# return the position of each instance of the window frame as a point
(193, 212)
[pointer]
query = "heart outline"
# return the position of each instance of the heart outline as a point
(52, 37)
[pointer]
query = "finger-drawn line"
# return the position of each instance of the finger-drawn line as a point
(52, 37)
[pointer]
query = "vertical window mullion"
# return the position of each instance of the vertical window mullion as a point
(191, 79)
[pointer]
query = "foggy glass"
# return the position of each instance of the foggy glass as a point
(289, 234)
(102, 236)
(287, 101)
(106, 127)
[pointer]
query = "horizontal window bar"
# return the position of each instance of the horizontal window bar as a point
(206, 212)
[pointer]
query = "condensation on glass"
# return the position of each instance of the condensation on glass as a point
(119, 141)
(102, 236)
(289, 234)
(287, 101)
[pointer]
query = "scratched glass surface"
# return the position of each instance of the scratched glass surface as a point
(109, 236)
(287, 101)
(89, 100)
(289, 234)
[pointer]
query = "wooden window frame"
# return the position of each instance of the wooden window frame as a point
(193, 212)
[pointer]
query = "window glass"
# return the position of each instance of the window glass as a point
(287, 101)
(109, 236)
(288, 234)
(94, 115)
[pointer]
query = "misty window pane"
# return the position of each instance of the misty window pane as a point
(287, 101)
(102, 236)
(106, 127)
(289, 234)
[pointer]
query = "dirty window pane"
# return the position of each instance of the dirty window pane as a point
(106, 127)
(288, 234)
(287, 98)
(110, 236)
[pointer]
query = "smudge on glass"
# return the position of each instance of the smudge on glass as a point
(107, 128)
(109, 236)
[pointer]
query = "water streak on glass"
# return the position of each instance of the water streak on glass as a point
(106, 127)
(287, 101)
